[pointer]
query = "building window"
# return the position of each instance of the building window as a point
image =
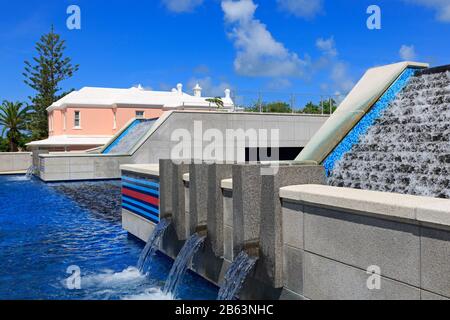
(139, 114)
(77, 119)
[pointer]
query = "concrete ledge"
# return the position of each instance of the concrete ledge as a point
(14, 162)
(6, 173)
(227, 184)
(137, 225)
(150, 169)
(389, 205)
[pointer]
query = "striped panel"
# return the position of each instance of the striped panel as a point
(141, 196)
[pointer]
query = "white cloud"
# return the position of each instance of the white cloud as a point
(407, 53)
(341, 79)
(442, 7)
(258, 53)
(210, 89)
(279, 84)
(239, 11)
(302, 8)
(327, 46)
(180, 6)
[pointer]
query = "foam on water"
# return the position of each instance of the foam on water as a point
(150, 294)
(109, 278)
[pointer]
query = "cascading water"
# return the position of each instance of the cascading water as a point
(407, 150)
(152, 245)
(235, 276)
(131, 137)
(181, 263)
(30, 172)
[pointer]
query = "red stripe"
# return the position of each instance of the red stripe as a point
(141, 196)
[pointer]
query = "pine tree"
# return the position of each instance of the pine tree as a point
(44, 75)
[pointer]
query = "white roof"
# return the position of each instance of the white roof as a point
(109, 97)
(61, 141)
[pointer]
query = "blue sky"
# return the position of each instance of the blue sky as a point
(289, 46)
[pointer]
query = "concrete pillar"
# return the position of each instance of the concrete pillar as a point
(246, 207)
(270, 264)
(198, 197)
(215, 213)
(165, 188)
(178, 200)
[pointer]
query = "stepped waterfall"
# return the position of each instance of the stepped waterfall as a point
(407, 150)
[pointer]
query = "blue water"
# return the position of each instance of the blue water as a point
(43, 233)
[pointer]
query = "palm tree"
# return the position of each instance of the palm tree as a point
(14, 119)
(217, 101)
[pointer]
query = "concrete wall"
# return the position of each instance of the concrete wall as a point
(331, 236)
(64, 167)
(294, 131)
(211, 208)
(15, 162)
(313, 241)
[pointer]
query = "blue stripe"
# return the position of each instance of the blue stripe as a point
(141, 213)
(141, 204)
(139, 188)
(144, 182)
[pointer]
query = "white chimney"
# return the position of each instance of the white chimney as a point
(180, 88)
(197, 91)
(227, 94)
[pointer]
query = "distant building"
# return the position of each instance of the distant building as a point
(90, 117)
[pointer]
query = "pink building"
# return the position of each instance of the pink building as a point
(90, 117)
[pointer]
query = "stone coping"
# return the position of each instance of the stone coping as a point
(14, 153)
(227, 184)
(390, 205)
(7, 173)
(81, 155)
(150, 169)
(186, 177)
(265, 114)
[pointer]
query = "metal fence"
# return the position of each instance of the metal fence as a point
(261, 101)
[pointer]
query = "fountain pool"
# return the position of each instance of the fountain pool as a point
(44, 232)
